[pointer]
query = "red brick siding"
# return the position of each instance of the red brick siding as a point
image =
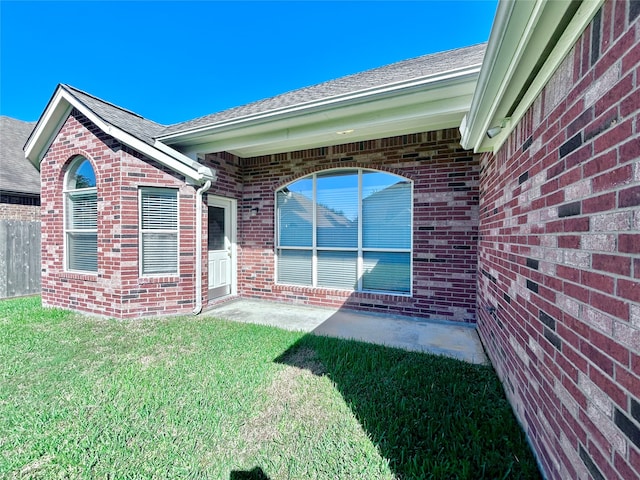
(117, 289)
(445, 220)
(558, 258)
(445, 224)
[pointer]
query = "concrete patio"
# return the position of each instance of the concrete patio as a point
(450, 339)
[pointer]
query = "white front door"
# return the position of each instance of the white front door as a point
(220, 246)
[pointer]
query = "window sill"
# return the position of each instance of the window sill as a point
(161, 279)
(303, 289)
(87, 277)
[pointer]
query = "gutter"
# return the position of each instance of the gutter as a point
(529, 41)
(198, 292)
(484, 102)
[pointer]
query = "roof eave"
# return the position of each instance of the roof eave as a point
(332, 114)
(22, 193)
(519, 32)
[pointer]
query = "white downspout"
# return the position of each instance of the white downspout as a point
(199, 193)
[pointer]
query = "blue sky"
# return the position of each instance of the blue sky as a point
(174, 61)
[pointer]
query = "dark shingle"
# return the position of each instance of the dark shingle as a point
(17, 174)
(132, 123)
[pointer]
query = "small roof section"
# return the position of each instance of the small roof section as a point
(424, 93)
(430, 92)
(136, 125)
(388, 75)
(127, 127)
(17, 175)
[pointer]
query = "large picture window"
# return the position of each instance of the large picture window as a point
(81, 217)
(346, 229)
(158, 231)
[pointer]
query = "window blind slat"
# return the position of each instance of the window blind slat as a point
(83, 249)
(338, 269)
(82, 211)
(384, 271)
(337, 210)
(159, 209)
(294, 267)
(386, 212)
(159, 252)
(295, 218)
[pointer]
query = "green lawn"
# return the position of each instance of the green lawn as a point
(196, 397)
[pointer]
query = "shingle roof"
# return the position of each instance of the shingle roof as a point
(17, 173)
(130, 122)
(414, 68)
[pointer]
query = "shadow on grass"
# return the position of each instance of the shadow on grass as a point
(429, 416)
(256, 474)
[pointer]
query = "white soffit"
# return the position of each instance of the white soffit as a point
(411, 107)
(518, 44)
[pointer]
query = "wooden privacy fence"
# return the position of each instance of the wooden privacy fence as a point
(19, 258)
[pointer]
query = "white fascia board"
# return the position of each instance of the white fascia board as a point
(327, 104)
(48, 126)
(518, 26)
(56, 113)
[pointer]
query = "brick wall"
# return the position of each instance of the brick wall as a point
(559, 257)
(117, 289)
(445, 220)
(22, 208)
(445, 224)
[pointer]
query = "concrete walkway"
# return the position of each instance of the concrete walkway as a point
(451, 339)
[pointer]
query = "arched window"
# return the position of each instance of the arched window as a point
(347, 229)
(81, 215)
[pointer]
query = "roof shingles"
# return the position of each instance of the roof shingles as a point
(17, 174)
(412, 69)
(136, 125)
(415, 68)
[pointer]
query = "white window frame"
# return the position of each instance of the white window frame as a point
(142, 231)
(66, 194)
(360, 249)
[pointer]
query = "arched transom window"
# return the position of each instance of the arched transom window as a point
(81, 215)
(346, 229)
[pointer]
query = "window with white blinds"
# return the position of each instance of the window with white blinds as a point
(81, 217)
(158, 231)
(346, 229)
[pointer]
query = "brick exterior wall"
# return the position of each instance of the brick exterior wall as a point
(445, 220)
(445, 224)
(117, 290)
(26, 209)
(559, 257)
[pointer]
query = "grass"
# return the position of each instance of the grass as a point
(196, 397)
